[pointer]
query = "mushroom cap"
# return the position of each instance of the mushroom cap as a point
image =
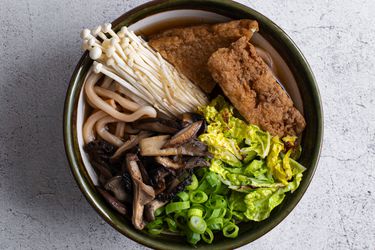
(189, 118)
(160, 125)
(114, 203)
(117, 186)
(187, 134)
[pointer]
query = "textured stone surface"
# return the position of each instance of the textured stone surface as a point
(40, 204)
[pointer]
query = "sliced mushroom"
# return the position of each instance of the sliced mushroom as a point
(152, 146)
(114, 203)
(128, 182)
(158, 125)
(175, 186)
(189, 163)
(144, 173)
(157, 178)
(100, 151)
(143, 193)
(184, 135)
(129, 144)
(189, 118)
(117, 186)
(103, 173)
(168, 163)
(151, 207)
(195, 148)
(194, 162)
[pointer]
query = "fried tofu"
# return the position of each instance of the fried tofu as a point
(253, 90)
(188, 49)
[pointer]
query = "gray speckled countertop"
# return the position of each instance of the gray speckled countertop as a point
(40, 204)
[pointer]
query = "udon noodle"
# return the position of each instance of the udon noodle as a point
(111, 107)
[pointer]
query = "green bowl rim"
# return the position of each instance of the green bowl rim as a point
(75, 160)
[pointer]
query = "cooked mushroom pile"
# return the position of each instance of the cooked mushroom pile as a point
(153, 164)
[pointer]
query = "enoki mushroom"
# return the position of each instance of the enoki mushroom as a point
(146, 76)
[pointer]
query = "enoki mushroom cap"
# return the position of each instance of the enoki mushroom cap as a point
(85, 45)
(106, 27)
(85, 34)
(110, 62)
(95, 53)
(97, 67)
(96, 31)
(110, 51)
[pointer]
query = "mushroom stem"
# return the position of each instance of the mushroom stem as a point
(151, 207)
(131, 143)
(143, 193)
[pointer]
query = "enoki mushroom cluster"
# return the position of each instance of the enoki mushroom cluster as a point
(145, 75)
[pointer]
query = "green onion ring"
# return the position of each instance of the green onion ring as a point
(197, 224)
(198, 196)
(212, 179)
(183, 196)
(204, 186)
(192, 238)
(201, 207)
(155, 227)
(194, 183)
(217, 201)
(230, 230)
(215, 223)
(208, 236)
(195, 212)
(172, 225)
(177, 206)
(159, 211)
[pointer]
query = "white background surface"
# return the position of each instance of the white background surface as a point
(40, 204)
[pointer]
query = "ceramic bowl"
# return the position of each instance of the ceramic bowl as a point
(293, 71)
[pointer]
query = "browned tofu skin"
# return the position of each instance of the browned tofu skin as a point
(188, 49)
(251, 87)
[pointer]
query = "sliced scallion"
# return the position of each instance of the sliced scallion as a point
(198, 196)
(197, 224)
(177, 206)
(230, 230)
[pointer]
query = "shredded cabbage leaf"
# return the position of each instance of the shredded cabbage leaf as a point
(254, 165)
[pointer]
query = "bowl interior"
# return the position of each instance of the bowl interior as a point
(292, 70)
(175, 18)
